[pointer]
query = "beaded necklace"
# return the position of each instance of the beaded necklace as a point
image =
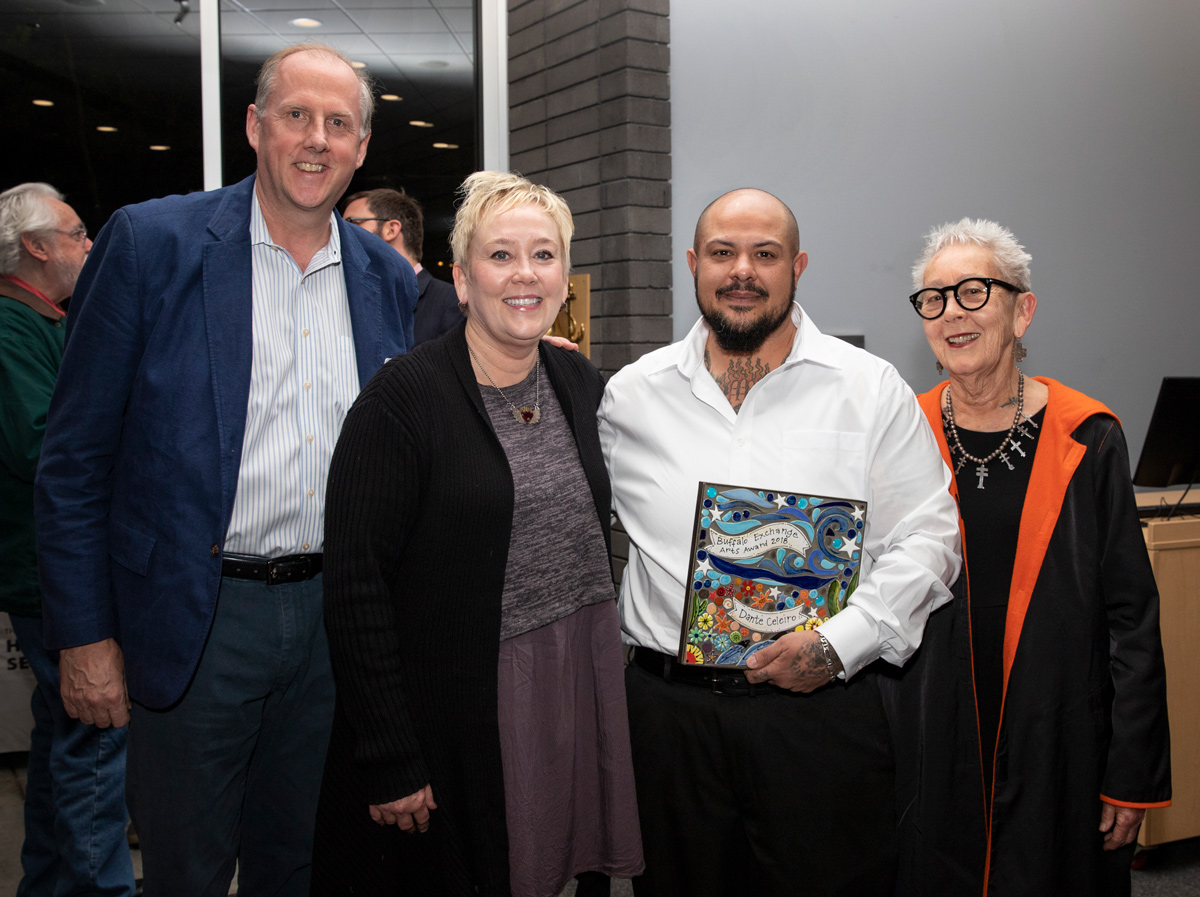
(964, 456)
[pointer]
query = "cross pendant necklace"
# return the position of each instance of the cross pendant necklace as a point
(951, 430)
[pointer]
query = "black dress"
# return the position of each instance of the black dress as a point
(991, 511)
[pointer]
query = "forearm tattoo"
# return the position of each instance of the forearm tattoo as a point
(739, 377)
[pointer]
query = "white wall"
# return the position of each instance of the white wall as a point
(1076, 124)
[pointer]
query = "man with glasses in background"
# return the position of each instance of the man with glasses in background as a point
(396, 218)
(75, 791)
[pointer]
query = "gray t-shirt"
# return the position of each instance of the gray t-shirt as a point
(557, 562)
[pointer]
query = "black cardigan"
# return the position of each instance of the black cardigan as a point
(418, 519)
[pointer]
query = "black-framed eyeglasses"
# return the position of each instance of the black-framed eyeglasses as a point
(972, 294)
(359, 221)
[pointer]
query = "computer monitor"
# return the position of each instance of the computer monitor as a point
(1171, 452)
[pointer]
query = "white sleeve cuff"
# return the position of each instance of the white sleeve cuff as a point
(852, 634)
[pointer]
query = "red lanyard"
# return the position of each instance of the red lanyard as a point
(30, 288)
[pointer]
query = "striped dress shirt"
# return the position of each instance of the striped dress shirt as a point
(302, 383)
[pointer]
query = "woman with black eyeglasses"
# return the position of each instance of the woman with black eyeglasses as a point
(1033, 723)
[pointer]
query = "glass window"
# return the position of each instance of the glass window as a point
(103, 98)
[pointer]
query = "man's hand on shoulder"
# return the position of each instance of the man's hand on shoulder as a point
(562, 342)
(93, 683)
(794, 662)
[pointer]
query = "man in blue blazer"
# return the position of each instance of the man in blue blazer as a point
(215, 344)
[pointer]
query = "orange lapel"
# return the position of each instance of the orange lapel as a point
(931, 404)
(1054, 464)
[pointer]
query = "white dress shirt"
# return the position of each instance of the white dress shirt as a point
(302, 383)
(831, 420)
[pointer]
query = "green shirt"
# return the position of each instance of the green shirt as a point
(31, 347)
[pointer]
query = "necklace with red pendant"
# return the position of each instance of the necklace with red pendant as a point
(524, 414)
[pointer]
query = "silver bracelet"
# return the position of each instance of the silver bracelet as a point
(825, 649)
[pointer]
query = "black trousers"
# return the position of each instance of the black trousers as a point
(771, 794)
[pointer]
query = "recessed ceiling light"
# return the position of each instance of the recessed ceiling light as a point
(421, 124)
(445, 146)
(391, 97)
(159, 147)
(358, 65)
(306, 23)
(435, 64)
(43, 102)
(107, 129)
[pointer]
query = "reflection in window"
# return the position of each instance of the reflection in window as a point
(118, 88)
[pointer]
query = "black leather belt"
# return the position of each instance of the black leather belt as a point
(273, 571)
(721, 681)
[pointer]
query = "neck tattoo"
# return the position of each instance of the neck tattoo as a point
(739, 377)
(1018, 425)
(524, 414)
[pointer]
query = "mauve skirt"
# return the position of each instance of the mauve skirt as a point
(564, 741)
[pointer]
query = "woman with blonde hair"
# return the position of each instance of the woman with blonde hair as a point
(480, 742)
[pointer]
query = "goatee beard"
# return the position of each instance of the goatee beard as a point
(733, 337)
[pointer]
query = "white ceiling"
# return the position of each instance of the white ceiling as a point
(401, 41)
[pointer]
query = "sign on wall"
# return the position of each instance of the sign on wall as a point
(16, 686)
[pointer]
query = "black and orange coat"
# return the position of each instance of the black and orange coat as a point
(1084, 714)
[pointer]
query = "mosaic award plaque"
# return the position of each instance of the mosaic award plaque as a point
(765, 563)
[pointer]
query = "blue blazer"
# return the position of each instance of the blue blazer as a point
(144, 436)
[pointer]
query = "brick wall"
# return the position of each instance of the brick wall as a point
(590, 117)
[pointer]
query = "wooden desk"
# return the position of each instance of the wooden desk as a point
(1174, 547)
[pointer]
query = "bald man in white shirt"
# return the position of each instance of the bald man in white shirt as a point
(779, 777)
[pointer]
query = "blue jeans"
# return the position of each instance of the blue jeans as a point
(75, 794)
(230, 774)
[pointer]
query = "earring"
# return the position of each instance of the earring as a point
(1019, 351)
(940, 369)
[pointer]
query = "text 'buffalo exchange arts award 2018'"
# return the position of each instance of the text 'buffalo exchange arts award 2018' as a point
(765, 563)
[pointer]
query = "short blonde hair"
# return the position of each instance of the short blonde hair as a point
(487, 193)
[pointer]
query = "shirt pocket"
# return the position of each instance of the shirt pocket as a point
(825, 462)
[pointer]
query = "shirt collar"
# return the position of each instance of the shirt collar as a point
(260, 236)
(19, 291)
(808, 345)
